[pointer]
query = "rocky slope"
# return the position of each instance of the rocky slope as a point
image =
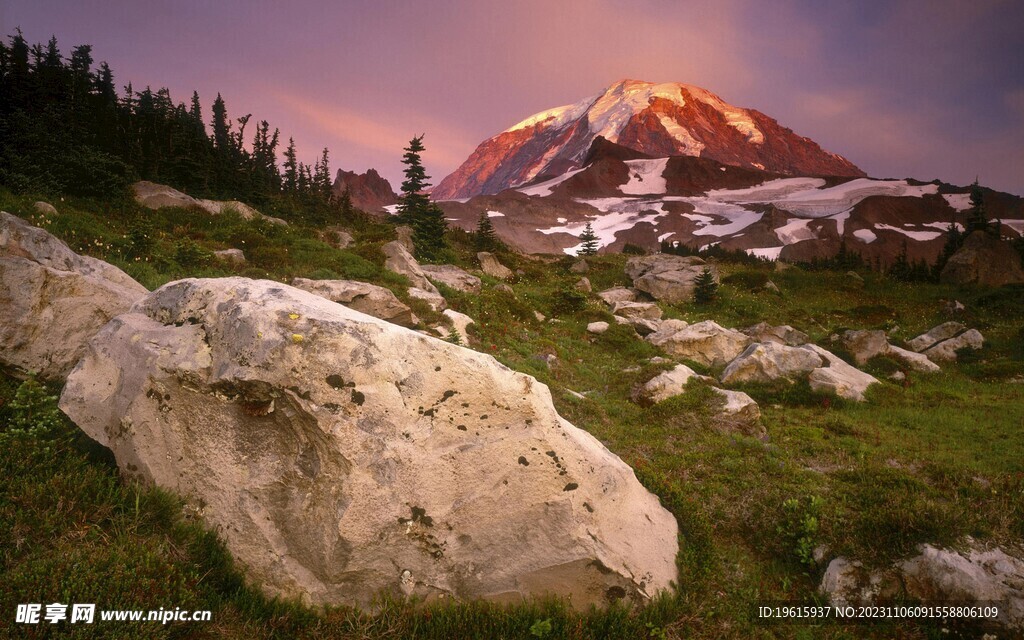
(369, 191)
(658, 120)
(697, 202)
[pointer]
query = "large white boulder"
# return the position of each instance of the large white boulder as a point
(838, 377)
(642, 310)
(399, 260)
(157, 196)
(768, 361)
(913, 361)
(340, 456)
(53, 300)
(865, 344)
(707, 342)
(362, 296)
(783, 334)
(668, 384)
(935, 335)
(617, 294)
(489, 264)
(667, 277)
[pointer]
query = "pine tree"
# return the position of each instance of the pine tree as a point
(486, 239)
(706, 288)
(322, 177)
(978, 220)
(345, 203)
(589, 242)
(291, 169)
(427, 219)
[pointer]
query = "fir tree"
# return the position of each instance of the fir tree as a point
(345, 202)
(589, 241)
(485, 238)
(705, 289)
(291, 169)
(425, 218)
(978, 220)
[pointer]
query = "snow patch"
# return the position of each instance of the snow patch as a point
(1016, 225)
(495, 214)
(841, 219)
(795, 230)
(867, 236)
(392, 209)
(922, 236)
(805, 198)
(645, 177)
(688, 144)
(959, 201)
(560, 115)
(544, 188)
(944, 226)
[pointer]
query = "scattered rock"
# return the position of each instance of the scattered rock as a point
(865, 345)
(399, 260)
(935, 335)
(339, 238)
(504, 288)
(325, 448)
(667, 277)
(460, 322)
(617, 294)
(914, 361)
(897, 376)
(946, 350)
(643, 326)
(667, 384)
(972, 576)
(705, 342)
(597, 327)
(772, 287)
(954, 308)
(231, 256)
(403, 236)
(158, 196)
(783, 334)
(490, 265)
(52, 300)
(854, 280)
(584, 285)
(985, 260)
(452, 276)
(781, 266)
(433, 299)
(580, 266)
(838, 377)
(363, 297)
(44, 208)
(540, 317)
(740, 406)
(645, 310)
(769, 361)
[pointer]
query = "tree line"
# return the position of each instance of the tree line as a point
(67, 129)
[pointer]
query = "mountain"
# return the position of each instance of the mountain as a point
(656, 120)
(629, 197)
(369, 191)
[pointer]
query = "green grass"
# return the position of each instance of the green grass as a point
(933, 459)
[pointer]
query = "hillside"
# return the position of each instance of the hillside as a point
(931, 458)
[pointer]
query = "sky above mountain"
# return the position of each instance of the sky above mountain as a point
(908, 88)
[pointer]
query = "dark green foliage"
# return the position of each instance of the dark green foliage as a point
(713, 251)
(705, 289)
(66, 131)
(416, 210)
(485, 238)
(589, 242)
(633, 250)
(568, 300)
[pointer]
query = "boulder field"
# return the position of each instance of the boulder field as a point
(340, 456)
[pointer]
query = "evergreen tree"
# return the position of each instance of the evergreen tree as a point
(322, 177)
(705, 289)
(486, 239)
(425, 218)
(978, 220)
(345, 203)
(589, 241)
(291, 169)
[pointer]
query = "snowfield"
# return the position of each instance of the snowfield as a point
(645, 177)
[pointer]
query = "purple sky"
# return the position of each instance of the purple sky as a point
(903, 88)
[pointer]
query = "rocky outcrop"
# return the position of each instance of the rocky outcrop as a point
(640, 310)
(782, 334)
(597, 328)
(974, 575)
(433, 299)
(460, 323)
(946, 350)
(44, 208)
(340, 456)
(617, 294)
(770, 361)
(935, 335)
(157, 196)
(986, 260)
(452, 276)
(943, 341)
(399, 260)
(368, 191)
(667, 384)
(838, 377)
(667, 277)
(489, 264)
(865, 345)
(706, 342)
(363, 297)
(52, 300)
(741, 407)
(339, 238)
